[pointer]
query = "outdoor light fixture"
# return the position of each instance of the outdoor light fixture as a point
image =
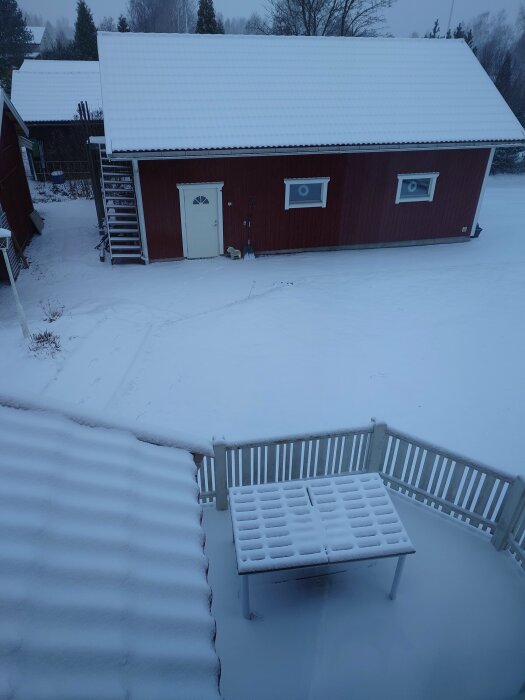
(5, 240)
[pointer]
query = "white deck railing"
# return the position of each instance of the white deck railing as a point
(477, 495)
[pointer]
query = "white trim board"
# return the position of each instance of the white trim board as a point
(220, 224)
(309, 150)
(140, 211)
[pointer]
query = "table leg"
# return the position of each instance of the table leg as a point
(245, 594)
(397, 576)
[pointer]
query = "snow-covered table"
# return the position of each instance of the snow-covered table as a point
(314, 522)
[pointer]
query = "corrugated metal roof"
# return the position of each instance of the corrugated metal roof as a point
(5, 103)
(103, 590)
(182, 92)
(49, 91)
(52, 66)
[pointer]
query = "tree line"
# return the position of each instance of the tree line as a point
(500, 48)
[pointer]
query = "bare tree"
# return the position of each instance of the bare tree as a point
(235, 25)
(255, 24)
(162, 15)
(325, 17)
(494, 38)
(33, 20)
(107, 24)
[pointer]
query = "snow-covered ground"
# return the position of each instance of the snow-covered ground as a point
(430, 339)
(455, 631)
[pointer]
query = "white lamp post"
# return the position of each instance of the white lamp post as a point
(5, 240)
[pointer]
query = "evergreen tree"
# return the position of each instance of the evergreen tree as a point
(461, 33)
(220, 25)
(15, 40)
(123, 25)
(206, 20)
(434, 34)
(85, 41)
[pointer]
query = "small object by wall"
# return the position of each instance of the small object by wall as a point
(234, 253)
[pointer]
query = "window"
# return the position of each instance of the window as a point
(416, 187)
(201, 199)
(310, 192)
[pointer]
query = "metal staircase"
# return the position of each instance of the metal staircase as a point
(14, 258)
(120, 207)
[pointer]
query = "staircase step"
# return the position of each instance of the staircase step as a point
(124, 238)
(113, 231)
(138, 256)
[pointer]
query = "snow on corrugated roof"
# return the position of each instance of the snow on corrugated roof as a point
(103, 590)
(5, 103)
(38, 34)
(173, 91)
(49, 91)
(52, 66)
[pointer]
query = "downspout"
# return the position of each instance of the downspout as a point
(140, 210)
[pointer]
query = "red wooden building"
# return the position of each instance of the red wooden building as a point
(295, 143)
(16, 205)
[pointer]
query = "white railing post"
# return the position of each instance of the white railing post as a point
(377, 448)
(221, 483)
(509, 513)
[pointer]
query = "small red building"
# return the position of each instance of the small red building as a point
(297, 143)
(46, 94)
(16, 205)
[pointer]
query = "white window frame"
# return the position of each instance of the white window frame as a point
(306, 181)
(414, 176)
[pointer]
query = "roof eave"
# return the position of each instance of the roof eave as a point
(308, 150)
(58, 122)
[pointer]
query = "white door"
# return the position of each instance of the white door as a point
(202, 226)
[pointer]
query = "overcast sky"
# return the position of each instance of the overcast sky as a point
(405, 17)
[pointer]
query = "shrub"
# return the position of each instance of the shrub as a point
(52, 311)
(45, 342)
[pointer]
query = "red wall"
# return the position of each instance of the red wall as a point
(15, 197)
(360, 207)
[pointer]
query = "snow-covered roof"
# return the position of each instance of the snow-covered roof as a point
(6, 104)
(49, 91)
(38, 34)
(184, 92)
(103, 590)
(51, 66)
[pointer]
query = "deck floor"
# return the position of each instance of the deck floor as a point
(455, 631)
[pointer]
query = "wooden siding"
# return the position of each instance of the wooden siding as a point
(15, 197)
(361, 208)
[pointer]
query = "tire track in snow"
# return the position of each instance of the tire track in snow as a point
(100, 364)
(124, 379)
